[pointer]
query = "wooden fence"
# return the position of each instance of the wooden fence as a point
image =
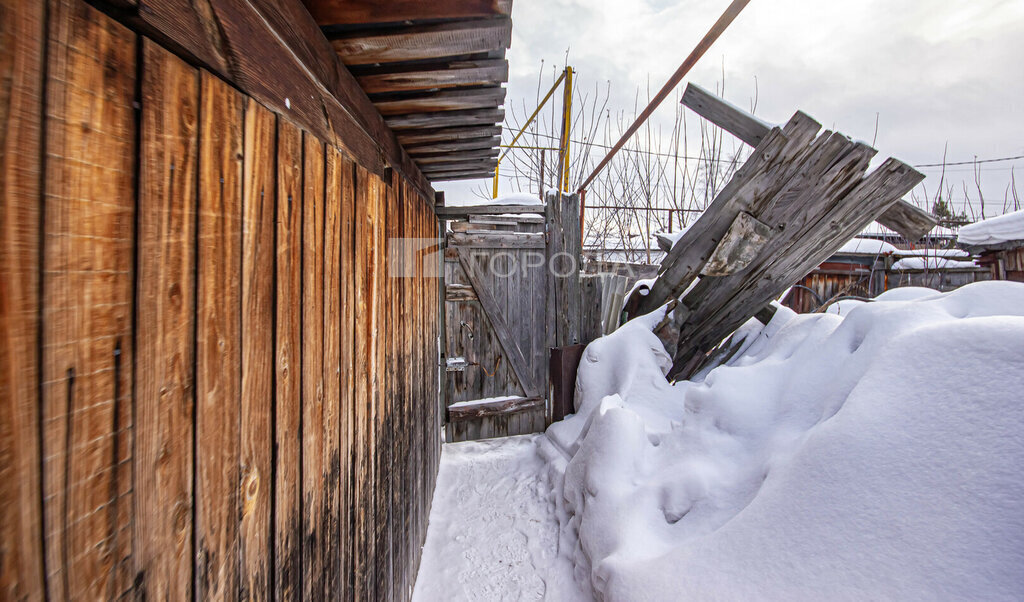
(210, 386)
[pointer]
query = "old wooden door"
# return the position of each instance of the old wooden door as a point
(496, 321)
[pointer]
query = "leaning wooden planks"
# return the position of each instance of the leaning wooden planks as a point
(803, 195)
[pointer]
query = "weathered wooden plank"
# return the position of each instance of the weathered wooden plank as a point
(313, 473)
(330, 534)
(590, 308)
(497, 240)
(22, 39)
(725, 115)
(346, 402)
(288, 392)
(457, 74)
(814, 243)
(360, 12)
(448, 134)
(165, 324)
(497, 407)
(458, 157)
(435, 148)
(909, 220)
(87, 298)
(741, 244)
(218, 338)
(771, 165)
(441, 100)
(445, 119)
(564, 264)
(256, 434)
(380, 376)
(468, 175)
(464, 211)
(420, 42)
(515, 355)
(365, 363)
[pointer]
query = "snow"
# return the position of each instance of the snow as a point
(871, 455)
(951, 253)
(874, 229)
(931, 263)
(673, 237)
(514, 198)
(867, 246)
(993, 230)
(484, 401)
(493, 533)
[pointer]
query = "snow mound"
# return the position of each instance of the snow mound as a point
(993, 230)
(868, 246)
(875, 455)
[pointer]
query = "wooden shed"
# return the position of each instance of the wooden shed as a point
(211, 385)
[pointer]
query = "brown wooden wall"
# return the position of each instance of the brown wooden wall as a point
(210, 385)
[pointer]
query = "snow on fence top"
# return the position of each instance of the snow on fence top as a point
(993, 231)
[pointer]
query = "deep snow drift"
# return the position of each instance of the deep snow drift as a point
(877, 454)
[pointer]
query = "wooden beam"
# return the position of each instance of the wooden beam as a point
(273, 51)
(456, 157)
(907, 219)
(356, 12)
(475, 175)
(445, 147)
(421, 42)
(464, 211)
(461, 73)
(433, 171)
(443, 100)
(446, 119)
(497, 240)
(498, 407)
(447, 134)
(725, 115)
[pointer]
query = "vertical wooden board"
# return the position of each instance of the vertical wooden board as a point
(380, 377)
(313, 473)
(364, 366)
(256, 429)
(347, 399)
(330, 536)
(288, 391)
(22, 35)
(87, 303)
(218, 338)
(165, 325)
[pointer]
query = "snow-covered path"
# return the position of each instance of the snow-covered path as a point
(493, 534)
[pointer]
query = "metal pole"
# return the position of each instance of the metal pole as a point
(523, 129)
(709, 38)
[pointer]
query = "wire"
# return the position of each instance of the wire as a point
(976, 161)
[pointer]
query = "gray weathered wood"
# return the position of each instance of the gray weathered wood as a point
(511, 405)
(564, 263)
(434, 148)
(424, 41)
(725, 115)
(515, 355)
(740, 245)
(442, 100)
(909, 220)
(497, 240)
(445, 119)
(464, 211)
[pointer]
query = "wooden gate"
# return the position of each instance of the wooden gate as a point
(505, 307)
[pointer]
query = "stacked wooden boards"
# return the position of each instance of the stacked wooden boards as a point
(434, 71)
(211, 386)
(794, 202)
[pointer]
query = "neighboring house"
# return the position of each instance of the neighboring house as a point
(999, 243)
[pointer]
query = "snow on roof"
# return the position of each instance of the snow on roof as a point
(874, 230)
(867, 246)
(931, 262)
(994, 230)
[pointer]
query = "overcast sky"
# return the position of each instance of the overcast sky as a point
(934, 72)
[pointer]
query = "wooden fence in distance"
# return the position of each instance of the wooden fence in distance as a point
(210, 386)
